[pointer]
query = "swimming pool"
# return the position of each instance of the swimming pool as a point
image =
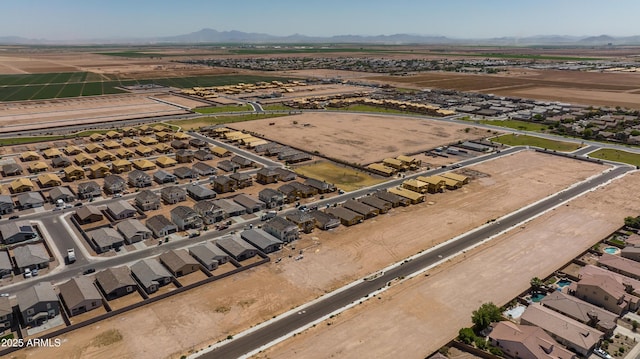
(611, 250)
(537, 297)
(563, 283)
(515, 312)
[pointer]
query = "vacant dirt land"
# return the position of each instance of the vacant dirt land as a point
(359, 138)
(591, 88)
(415, 318)
(18, 116)
(202, 316)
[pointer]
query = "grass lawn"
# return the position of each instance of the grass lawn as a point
(611, 154)
(219, 109)
(525, 140)
(23, 140)
(515, 124)
(195, 123)
(345, 178)
(277, 107)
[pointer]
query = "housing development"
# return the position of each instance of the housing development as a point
(228, 201)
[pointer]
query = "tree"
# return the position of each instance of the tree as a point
(485, 315)
(633, 222)
(466, 335)
(634, 325)
(536, 283)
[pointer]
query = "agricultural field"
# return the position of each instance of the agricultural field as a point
(220, 109)
(610, 154)
(345, 178)
(526, 140)
(24, 87)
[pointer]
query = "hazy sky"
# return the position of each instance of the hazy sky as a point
(86, 19)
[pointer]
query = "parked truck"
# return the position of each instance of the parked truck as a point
(71, 255)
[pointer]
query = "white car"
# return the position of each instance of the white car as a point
(602, 353)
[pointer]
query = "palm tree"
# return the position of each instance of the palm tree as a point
(536, 284)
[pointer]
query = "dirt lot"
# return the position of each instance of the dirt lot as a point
(570, 86)
(359, 138)
(425, 313)
(204, 316)
(17, 116)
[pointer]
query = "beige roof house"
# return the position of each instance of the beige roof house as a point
(526, 342)
(575, 335)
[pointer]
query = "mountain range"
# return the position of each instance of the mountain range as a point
(210, 36)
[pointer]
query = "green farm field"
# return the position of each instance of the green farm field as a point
(74, 84)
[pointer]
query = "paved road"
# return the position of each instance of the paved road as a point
(250, 155)
(290, 323)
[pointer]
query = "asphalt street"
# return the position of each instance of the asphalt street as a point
(290, 323)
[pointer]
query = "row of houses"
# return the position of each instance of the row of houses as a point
(391, 166)
(435, 183)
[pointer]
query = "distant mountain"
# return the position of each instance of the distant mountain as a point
(211, 36)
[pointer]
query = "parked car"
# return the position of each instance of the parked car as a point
(79, 204)
(27, 273)
(89, 271)
(602, 353)
(14, 217)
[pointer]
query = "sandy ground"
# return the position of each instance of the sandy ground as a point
(181, 101)
(359, 138)
(16, 116)
(578, 96)
(197, 318)
(415, 318)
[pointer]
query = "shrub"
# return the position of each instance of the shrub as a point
(495, 351)
(480, 342)
(466, 335)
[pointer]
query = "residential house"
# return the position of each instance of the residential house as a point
(581, 311)
(147, 141)
(261, 240)
(282, 229)
(129, 132)
(435, 184)
(382, 170)
(133, 231)
(29, 156)
(162, 148)
(79, 295)
(395, 164)
(631, 252)
(416, 186)
(99, 170)
(321, 186)
(462, 180)
(271, 197)
(267, 175)
(125, 154)
(6, 314)
(185, 172)
(412, 196)
(11, 169)
(607, 291)
(150, 274)
(324, 221)
(6, 267)
(220, 152)
(161, 226)
(60, 162)
(243, 180)
(620, 265)
(93, 148)
(105, 238)
(574, 335)
(120, 209)
(89, 190)
(21, 185)
(144, 150)
(203, 155)
(302, 190)
(303, 220)
(224, 184)
(237, 248)
(179, 262)
(113, 134)
(61, 193)
(184, 156)
(173, 194)
(31, 256)
(105, 156)
(199, 192)
(110, 145)
(163, 136)
(241, 161)
(16, 231)
(209, 255)
(95, 137)
(139, 179)
(72, 150)
(6, 204)
(164, 161)
(88, 214)
(210, 212)
(251, 203)
(114, 184)
(361, 208)
(228, 166)
(177, 144)
(377, 203)
(346, 217)
(73, 172)
(162, 177)
(185, 218)
(147, 200)
(116, 282)
(197, 143)
(29, 200)
(37, 304)
(144, 165)
(230, 208)
(526, 342)
(119, 166)
(203, 169)
(83, 159)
